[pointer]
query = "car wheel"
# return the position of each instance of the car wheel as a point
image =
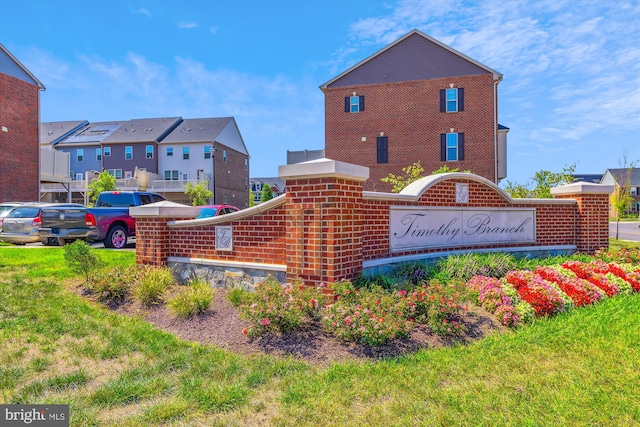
(116, 238)
(50, 241)
(62, 242)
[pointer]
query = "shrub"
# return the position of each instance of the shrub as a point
(239, 296)
(113, 284)
(278, 307)
(620, 256)
(153, 284)
(192, 300)
(370, 316)
(82, 258)
(435, 304)
(464, 267)
(493, 298)
(410, 275)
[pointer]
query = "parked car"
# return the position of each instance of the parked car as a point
(108, 222)
(7, 207)
(22, 223)
(215, 210)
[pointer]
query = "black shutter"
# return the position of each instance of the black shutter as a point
(461, 99)
(461, 146)
(346, 104)
(382, 143)
(361, 100)
(443, 100)
(443, 147)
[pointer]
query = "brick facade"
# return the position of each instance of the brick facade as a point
(19, 145)
(325, 228)
(408, 114)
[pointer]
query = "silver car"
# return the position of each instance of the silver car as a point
(21, 224)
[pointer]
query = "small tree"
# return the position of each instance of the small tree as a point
(251, 200)
(410, 174)
(621, 198)
(541, 183)
(447, 169)
(104, 182)
(267, 194)
(199, 194)
(82, 258)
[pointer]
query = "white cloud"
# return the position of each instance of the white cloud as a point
(142, 11)
(187, 25)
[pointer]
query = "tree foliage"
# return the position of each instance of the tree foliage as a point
(82, 258)
(621, 198)
(410, 174)
(539, 187)
(199, 194)
(104, 182)
(251, 199)
(413, 173)
(267, 194)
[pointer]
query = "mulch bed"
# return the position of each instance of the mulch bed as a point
(222, 326)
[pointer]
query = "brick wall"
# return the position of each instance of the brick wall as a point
(409, 115)
(19, 146)
(325, 227)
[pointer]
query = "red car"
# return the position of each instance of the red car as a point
(215, 210)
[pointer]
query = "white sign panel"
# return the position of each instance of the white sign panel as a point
(224, 238)
(418, 228)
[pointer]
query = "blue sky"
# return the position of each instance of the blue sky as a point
(570, 94)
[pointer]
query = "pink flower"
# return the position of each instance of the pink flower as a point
(265, 322)
(403, 292)
(347, 320)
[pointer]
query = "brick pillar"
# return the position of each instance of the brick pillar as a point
(153, 234)
(592, 213)
(324, 220)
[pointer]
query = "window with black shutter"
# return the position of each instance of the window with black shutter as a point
(382, 144)
(451, 100)
(353, 104)
(451, 147)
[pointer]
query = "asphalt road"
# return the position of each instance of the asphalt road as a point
(625, 230)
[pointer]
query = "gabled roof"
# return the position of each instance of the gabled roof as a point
(143, 130)
(91, 133)
(10, 66)
(52, 133)
(222, 130)
(620, 175)
(415, 56)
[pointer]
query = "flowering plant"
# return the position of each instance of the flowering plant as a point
(593, 273)
(436, 304)
(113, 284)
(493, 298)
(543, 297)
(370, 316)
(279, 307)
(581, 291)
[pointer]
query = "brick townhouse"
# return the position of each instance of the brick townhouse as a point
(416, 99)
(19, 130)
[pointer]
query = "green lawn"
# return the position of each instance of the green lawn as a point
(576, 369)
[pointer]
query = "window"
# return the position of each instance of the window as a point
(80, 154)
(171, 175)
(149, 151)
(107, 151)
(169, 151)
(451, 147)
(207, 152)
(246, 163)
(98, 154)
(353, 104)
(382, 143)
(128, 152)
(79, 177)
(185, 153)
(224, 199)
(185, 176)
(224, 156)
(116, 173)
(128, 174)
(451, 100)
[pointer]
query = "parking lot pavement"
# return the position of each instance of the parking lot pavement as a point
(130, 246)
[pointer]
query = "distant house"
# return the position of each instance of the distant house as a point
(620, 177)
(19, 121)
(210, 149)
(277, 187)
(592, 178)
(155, 154)
(416, 100)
